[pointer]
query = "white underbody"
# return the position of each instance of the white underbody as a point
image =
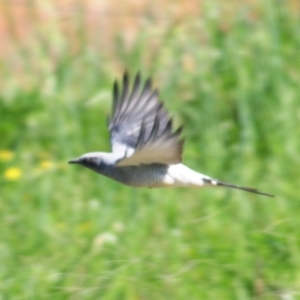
(180, 175)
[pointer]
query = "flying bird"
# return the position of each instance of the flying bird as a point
(146, 151)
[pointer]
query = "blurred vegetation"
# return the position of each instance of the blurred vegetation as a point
(66, 233)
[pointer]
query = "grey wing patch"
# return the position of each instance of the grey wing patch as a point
(140, 128)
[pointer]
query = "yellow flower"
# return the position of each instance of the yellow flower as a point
(6, 155)
(13, 173)
(85, 227)
(46, 165)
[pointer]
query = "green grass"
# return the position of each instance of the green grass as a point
(67, 233)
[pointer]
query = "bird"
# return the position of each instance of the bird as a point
(146, 150)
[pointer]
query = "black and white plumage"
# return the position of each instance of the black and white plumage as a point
(141, 128)
(146, 152)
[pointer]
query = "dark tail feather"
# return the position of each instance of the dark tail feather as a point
(247, 189)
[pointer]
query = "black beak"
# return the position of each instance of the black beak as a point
(73, 161)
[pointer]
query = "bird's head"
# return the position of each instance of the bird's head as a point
(93, 160)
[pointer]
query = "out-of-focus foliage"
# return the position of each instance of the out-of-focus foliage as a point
(66, 233)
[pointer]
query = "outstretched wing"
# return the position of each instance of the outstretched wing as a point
(140, 128)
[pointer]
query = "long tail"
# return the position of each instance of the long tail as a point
(247, 189)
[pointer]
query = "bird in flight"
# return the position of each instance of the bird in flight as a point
(146, 151)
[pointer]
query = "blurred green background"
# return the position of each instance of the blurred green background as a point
(229, 71)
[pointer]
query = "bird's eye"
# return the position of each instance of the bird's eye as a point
(86, 160)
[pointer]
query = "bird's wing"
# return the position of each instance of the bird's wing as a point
(140, 128)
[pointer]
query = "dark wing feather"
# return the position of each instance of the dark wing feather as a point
(140, 128)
